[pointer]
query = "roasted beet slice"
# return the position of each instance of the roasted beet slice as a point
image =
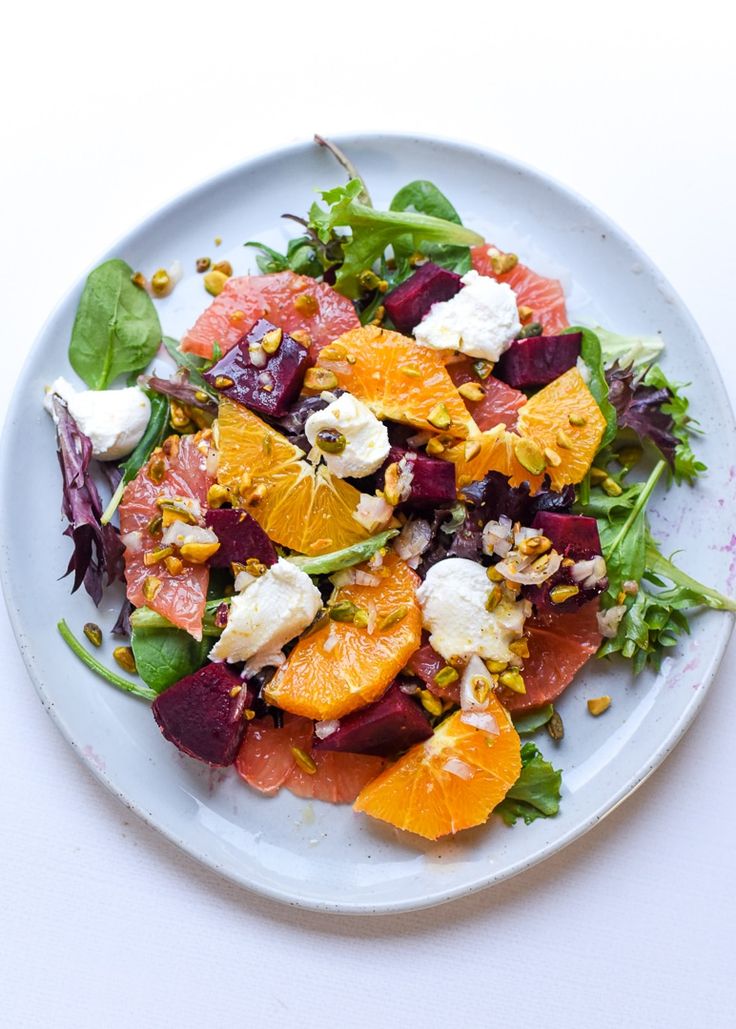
(408, 303)
(202, 714)
(387, 727)
(432, 480)
(425, 663)
(270, 385)
(576, 538)
(240, 537)
(538, 360)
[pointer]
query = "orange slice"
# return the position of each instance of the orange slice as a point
(450, 782)
(299, 506)
(398, 380)
(266, 761)
(551, 420)
(341, 666)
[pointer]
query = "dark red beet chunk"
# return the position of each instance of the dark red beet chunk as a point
(240, 537)
(200, 715)
(433, 480)
(269, 389)
(539, 360)
(387, 727)
(575, 537)
(408, 303)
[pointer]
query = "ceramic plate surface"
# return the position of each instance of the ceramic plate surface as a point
(316, 855)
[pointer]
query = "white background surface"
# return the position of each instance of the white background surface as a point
(107, 112)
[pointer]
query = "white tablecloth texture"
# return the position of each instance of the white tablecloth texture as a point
(108, 112)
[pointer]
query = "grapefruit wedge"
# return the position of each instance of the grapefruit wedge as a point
(544, 296)
(178, 469)
(293, 302)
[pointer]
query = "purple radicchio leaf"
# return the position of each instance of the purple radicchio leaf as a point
(122, 625)
(98, 551)
(639, 407)
(180, 389)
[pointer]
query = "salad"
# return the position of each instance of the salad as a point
(373, 511)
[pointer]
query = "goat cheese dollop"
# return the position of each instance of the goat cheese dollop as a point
(366, 438)
(113, 419)
(482, 320)
(271, 610)
(453, 599)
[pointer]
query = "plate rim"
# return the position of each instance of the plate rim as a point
(289, 896)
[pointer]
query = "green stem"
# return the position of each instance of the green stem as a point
(353, 173)
(114, 501)
(91, 662)
(638, 507)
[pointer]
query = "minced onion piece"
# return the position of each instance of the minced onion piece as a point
(457, 767)
(409, 688)
(480, 720)
(211, 462)
(362, 578)
(474, 669)
(258, 356)
(180, 533)
(609, 621)
(590, 572)
(405, 478)
(497, 536)
(517, 567)
(373, 513)
(132, 541)
(243, 580)
(413, 540)
(331, 640)
(326, 728)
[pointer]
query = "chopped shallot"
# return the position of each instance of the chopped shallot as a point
(457, 767)
(373, 513)
(481, 720)
(497, 536)
(609, 621)
(413, 540)
(324, 729)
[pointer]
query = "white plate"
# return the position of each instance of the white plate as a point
(316, 855)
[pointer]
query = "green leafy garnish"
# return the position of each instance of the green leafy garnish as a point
(194, 365)
(156, 432)
(423, 197)
(529, 721)
(116, 328)
(300, 257)
(637, 351)
(536, 793)
(590, 352)
(325, 564)
(686, 466)
(372, 231)
(165, 655)
(91, 662)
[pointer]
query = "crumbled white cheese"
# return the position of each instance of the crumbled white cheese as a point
(367, 444)
(482, 320)
(453, 599)
(113, 419)
(273, 609)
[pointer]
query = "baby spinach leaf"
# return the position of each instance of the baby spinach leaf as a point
(425, 198)
(528, 722)
(116, 328)
(163, 656)
(143, 619)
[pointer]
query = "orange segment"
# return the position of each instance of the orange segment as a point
(341, 666)
(569, 448)
(397, 379)
(293, 302)
(544, 296)
(266, 762)
(300, 507)
(421, 794)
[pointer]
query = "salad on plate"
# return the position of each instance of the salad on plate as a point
(373, 511)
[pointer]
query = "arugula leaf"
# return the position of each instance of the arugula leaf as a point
(115, 680)
(373, 231)
(425, 198)
(156, 432)
(528, 722)
(536, 793)
(325, 564)
(637, 351)
(590, 352)
(116, 328)
(685, 587)
(163, 656)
